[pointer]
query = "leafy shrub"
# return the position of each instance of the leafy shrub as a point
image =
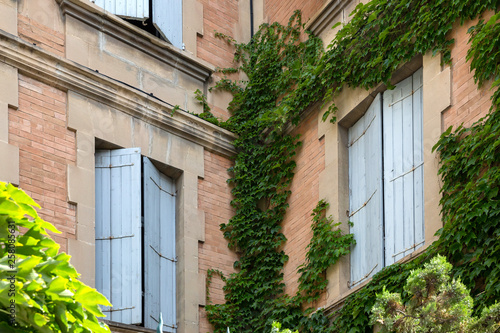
(437, 304)
(39, 288)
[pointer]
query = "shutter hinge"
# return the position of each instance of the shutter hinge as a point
(349, 284)
(161, 189)
(120, 309)
(113, 237)
(114, 166)
(162, 256)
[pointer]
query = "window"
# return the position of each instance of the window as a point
(135, 239)
(162, 18)
(386, 179)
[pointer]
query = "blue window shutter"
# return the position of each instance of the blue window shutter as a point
(159, 248)
(132, 9)
(403, 168)
(118, 232)
(365, 193)
(167, 18)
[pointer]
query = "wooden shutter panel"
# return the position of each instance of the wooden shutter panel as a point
(159, 248)
(365, 193)
(167, 18)
(133, 9)
(403, 168)
(118, 232)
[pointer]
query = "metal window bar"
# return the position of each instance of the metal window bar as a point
(352, 284)
(112, 237)
(410, 248)
(161, 255)
(363, 205)
(161, 189)
(364, 132)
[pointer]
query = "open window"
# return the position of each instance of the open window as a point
(386, 179)
(162, 18)
(135, 239)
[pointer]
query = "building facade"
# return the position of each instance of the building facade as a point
(94, 127)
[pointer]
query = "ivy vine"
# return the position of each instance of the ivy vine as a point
(327, 245)
(286, 76)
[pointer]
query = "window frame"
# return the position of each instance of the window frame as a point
(352, 103)
(385, 148)
(161, 18)
(139, 194)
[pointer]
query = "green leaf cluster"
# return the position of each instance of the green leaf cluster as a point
(327, 245)
(263, 169)
(288, 72)
(437, 304)
(37, 284)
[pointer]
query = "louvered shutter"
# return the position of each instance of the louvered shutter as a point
(118, 232)
(159, 248)
(403, 168)
(133, 9)
(167, 18)
(365, 193)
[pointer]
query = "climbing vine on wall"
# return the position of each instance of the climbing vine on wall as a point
(287, 75)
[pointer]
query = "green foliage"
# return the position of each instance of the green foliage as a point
(489, 321)
(437, 303)
(277, 328)
(381, 36)
(38, 285)
(206, 114)
(285, 77)
(263, 169)
(327, 245)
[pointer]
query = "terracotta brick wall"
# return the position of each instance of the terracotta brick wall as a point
(304, 198)
(46, 147)
(280, 11)
(42, 36)
(469, 103)
(218, 16)
(214, 199)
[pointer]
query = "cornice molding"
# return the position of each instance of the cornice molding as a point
(67, 75)
(324, 18)
(112, 25)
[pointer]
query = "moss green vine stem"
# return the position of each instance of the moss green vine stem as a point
(286, 76)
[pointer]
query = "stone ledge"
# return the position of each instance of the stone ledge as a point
(67, 75)
(112, 25)
(323, 19)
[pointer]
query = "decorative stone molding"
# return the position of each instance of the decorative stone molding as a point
(8, 98)
(127, 33)
(68, 75)
(324, 18)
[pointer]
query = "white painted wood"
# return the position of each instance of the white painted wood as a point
(403, 172)
(365, 188)
(118, 229)
(132, 9)
(167, 18)
(407, 178)
(159, 248)
(102, 224)
(418, 153)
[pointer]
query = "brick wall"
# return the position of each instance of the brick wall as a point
(218, 16)
(469, 103)
(280, 11)
(304, 198)
(214, 199)
(42, 36)
(46, 147)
